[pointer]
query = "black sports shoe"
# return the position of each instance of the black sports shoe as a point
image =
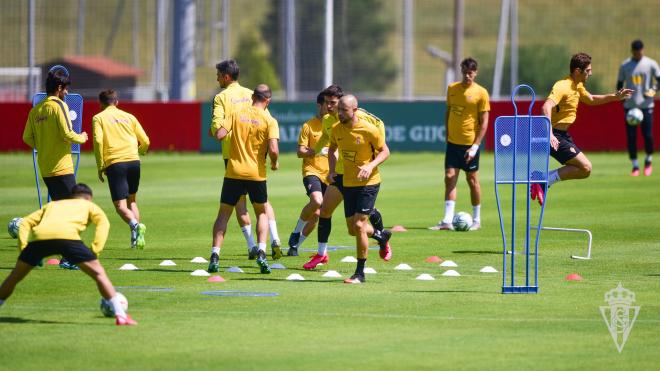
(293, 239)
(376, 220)
(262, 263)
(293, 251)
(214, 264)
(382, 237)
(356, 278)
(253, 252)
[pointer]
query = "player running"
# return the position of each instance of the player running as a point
(255, 134)
(561, 108)
(362, 147)
(118, 142)
(54, 230)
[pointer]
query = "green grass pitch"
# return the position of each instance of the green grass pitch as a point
(391, 322)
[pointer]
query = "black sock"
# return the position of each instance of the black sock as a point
(359, 270)
(325, 226)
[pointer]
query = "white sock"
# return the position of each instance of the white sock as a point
(300, 240)
(323, 248)
(449, 211)
(247, 233)
(133, 223)
(553, 177)
(272, 226)
(299, 227)
(262, 246)
(649, 158)
(635, 163)
(215, 250)
(476, 213)
(116, 304)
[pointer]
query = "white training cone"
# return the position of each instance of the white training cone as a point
(451, 273)
(448, 263)
(425, 277)
(349, 259)
(488, 269)
(332, 274)
(403, 267)
(295, 277)
(200, 273)
(167, 263)
(369, 270)
(277, 266)
(234, 270)
(199, 259)
(128, 267)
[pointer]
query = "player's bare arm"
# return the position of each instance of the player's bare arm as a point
(621, 94)
(273, 153)
(547, 112)
(332, 163)
(365, 170)
(304, 151)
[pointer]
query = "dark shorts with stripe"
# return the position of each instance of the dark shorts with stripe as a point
(313, 183)
(59, 187)
(74, 251)
(455, 158)
(360, 200)
(566, 150)
(233, 189)
(339, 183)
(123, 179)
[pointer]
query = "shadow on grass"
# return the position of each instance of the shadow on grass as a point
(448, 291)
(282, 280)
(18, 320)
(477, 252)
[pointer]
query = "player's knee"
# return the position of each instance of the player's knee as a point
(316, 199)
(586, 169)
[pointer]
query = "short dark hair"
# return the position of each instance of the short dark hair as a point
(55, 79)
(469, 64)
(108, 97)
(637, 45)
(333, 91)
(81, 189)
(320, 99)
(228, 67)
(581, 61)
(262, 93)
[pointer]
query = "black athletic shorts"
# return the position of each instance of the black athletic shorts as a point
(455, 158)
(60, 186)
(74, 251)
(123, 179)
(360, 199)
(339, 182)
(226, 160)
(566, 150)
(233, 189)
(313, 183)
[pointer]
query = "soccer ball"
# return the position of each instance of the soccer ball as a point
(462, 221)
(106, 305)
(634, 116)
(12, 227)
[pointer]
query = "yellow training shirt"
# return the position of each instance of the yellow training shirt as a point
(464, 106)
(118, 137)
(329, 121)
(64, 220)
(309, 135)
(566, 94)
(357, 146)
(49, 130)
(252, 127)
(233, 98)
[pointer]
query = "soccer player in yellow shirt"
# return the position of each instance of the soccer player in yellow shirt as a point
(233, 98)
(561, 109)
(255, 134)
(315, 174)
(118, 142)
(333, 195)
(363, 148)
(54, 230)
(466, 122)
(49, 130)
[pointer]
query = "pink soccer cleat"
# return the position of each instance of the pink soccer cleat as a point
(316, 260)
(386, 253)
(125, 321)
(635, 171)
(648, 169)
(537, 193)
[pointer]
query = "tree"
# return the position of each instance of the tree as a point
(253, 59)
